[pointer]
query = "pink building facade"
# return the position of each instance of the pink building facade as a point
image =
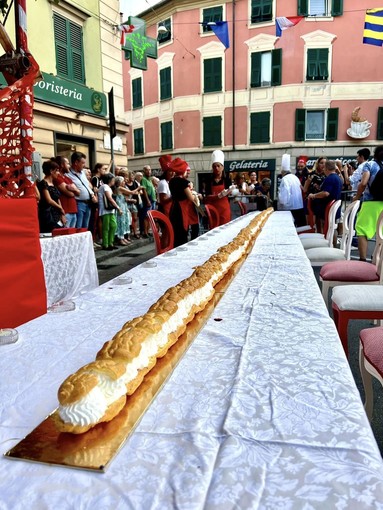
(261, 97)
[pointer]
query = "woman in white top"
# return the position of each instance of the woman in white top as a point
(163, 190)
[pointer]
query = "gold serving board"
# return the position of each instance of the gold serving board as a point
(95, 449)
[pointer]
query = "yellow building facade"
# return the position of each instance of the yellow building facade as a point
(77, 46)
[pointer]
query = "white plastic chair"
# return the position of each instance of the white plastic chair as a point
(320, 256)
(315, 240)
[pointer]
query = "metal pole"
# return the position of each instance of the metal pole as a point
(233, 73)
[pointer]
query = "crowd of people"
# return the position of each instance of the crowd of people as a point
(114, 206)
(325, 183)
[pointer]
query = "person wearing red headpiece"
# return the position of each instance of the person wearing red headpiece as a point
(163, 190)
(182, 211)
(302, 172)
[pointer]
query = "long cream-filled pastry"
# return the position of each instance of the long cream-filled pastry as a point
(97, 392)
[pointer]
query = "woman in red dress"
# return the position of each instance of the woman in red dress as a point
(182, 211)
(218, 187)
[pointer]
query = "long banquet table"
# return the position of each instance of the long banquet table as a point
(261, 412)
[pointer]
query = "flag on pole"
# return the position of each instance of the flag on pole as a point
(373, 27)
(221, 30)
(129, 29)
(282, 23)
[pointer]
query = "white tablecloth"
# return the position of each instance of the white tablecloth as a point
(69, 266)
(262, 412)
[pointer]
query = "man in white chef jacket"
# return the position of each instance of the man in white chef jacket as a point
(290, 196)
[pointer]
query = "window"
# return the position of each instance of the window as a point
(166, 36)
(212, 132)
(261, 10)
(316, 124)
(210, 16)
(212, 68)
(165, 83)
(320, 7)
(138, 141)
(266, 68)
(137, 93)
(260, 127)
(379, 135)
(317, 64)
(69, 49)
(166, 136)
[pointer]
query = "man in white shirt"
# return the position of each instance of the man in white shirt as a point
(86, 195)
(356, 176)
(290, 193)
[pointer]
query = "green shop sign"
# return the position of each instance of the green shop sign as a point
(55, 90)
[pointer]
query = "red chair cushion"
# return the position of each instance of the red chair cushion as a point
(63, 231)
(349, 271)
(372, 342)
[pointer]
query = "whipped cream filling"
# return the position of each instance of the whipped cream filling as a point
(91, 408)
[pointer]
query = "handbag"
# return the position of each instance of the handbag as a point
(108, 206)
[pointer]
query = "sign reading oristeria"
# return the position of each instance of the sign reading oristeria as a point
(55, 90)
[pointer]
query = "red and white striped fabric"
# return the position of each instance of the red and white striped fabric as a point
(129, 29)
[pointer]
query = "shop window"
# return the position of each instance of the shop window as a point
(316, 124)
(261, 11)
(320, 7)
(212, 131)
(317, 64)
(166, 136)
(138, 141)
(165, 83)
(69, 49)
(379, 134)
(211, 15)
(166, 36)
(266, 68)
(212, 68)
(260, 127)
(137, 93)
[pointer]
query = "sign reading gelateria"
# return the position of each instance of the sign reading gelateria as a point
(55, 90)
(247, 165)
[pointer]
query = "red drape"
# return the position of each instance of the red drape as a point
(23, 291)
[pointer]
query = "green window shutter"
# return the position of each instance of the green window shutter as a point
(323, 63)
(165, 83)
(212, 74)
(317, 64)
(166, 136)
(379, 134)
(337, 8)
(139, 141)
(332, 124)
(211, 15)
(276, 67)
(77, 52)
(260, 127)
(303, 8)
(255, 78)
(212, 132)
(69, 49)
(261, 10)
(61, 44)
(311, 64)
(300, 125)
(137, 93)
